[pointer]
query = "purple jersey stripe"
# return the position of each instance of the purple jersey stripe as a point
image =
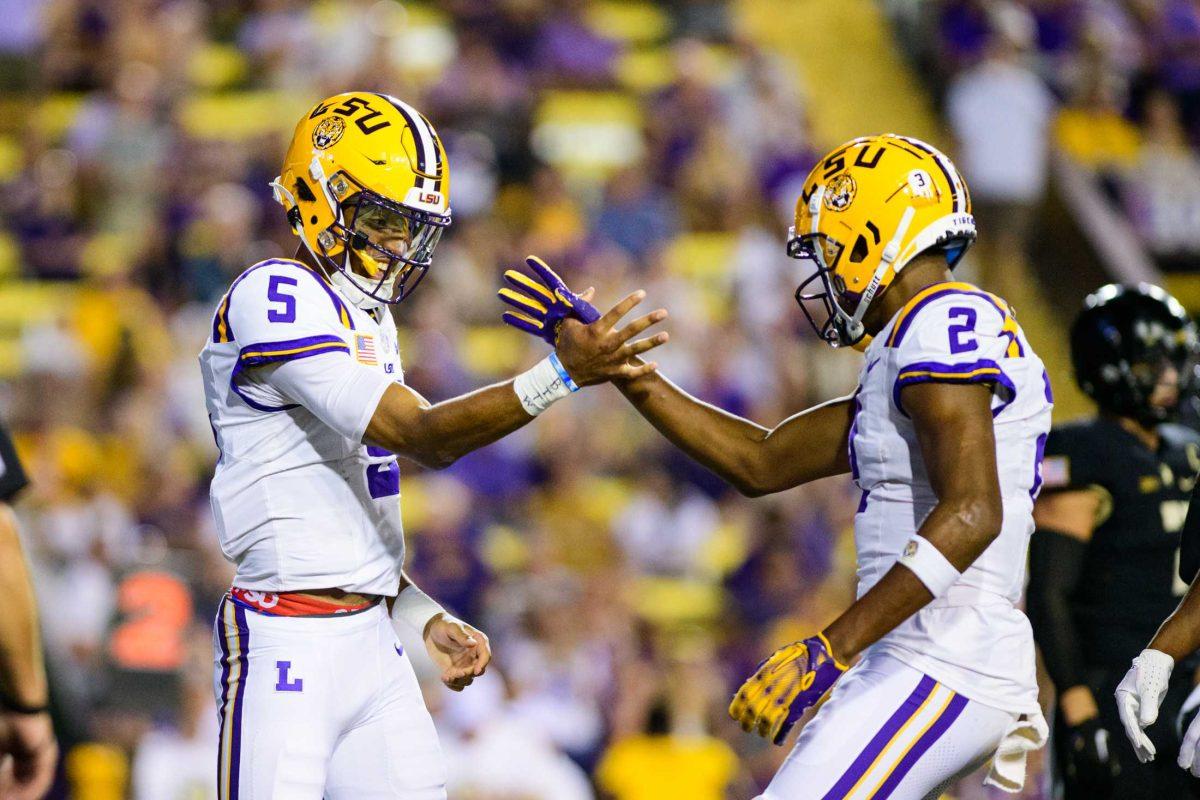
(255, 355)
(982, 371)
(939, 727)
(881, 739)
(898, 334)
(235, 750)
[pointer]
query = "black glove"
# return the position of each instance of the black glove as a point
(1091, 765)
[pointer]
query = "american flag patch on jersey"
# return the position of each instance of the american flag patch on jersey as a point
(364, 349)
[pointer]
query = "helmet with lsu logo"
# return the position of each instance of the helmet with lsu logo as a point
(867, 209)
(363, 161)
(1123, 342)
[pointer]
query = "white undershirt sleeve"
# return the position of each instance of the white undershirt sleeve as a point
(339, 391)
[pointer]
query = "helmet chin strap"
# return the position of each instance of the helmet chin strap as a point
(852, 323)
(345, 284)
(351, 291)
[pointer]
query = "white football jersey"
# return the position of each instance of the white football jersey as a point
(973, 639)
(300, 502)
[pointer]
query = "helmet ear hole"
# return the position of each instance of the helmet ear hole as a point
(861, 248)
(303, 192)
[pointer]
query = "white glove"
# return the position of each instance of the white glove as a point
(1189, 752)
(1139, 695)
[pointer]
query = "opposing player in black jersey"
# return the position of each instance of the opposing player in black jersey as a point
(1104, 559)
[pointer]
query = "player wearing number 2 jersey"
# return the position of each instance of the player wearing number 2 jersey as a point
(944, 437)
(306, 395)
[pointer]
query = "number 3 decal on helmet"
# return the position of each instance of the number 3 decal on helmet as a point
(867, 209)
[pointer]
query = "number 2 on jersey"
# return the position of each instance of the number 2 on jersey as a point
(276, 295)
(961, 329)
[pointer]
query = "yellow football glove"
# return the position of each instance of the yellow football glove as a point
(792, 679)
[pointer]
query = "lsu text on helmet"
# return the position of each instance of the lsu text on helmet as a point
(867, 209)
(1123, 342)
(363, 161)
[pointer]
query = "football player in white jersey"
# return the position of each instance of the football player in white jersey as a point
(307, 401)
(944, 437)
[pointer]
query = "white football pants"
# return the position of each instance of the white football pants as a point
(888, 731)
(320, 707)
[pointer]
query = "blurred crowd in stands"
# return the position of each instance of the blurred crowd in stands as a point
(626, 591)
(1112, 84)
(630, 144)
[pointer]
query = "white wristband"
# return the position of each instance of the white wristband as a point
(928, 563)
(414, 608)
(542, 385)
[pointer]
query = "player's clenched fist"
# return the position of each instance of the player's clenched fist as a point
(792, 679)
(28, 753)
(461, 651)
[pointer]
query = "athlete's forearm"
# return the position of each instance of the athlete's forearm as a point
(754, 459)
(22, 671)
(960, 532)
(1055, 570)
(1179, 635)
(435, 435)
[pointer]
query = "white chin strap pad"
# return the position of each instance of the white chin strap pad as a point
(355, 295)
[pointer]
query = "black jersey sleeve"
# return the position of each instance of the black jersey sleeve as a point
(1055, 569)
(1071, 460)
(12, 474)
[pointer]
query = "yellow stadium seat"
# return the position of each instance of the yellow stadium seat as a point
(675, 601)
(11, 157)
(646, 70)
(97, 771)
(492, 350)
(630, 22)
(588, 134)
(235, 116)
(216, 66)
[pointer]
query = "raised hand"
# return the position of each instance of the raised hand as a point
(600, 351)
(543, 304)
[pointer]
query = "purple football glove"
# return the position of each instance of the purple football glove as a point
(792, 679)
(542, 305)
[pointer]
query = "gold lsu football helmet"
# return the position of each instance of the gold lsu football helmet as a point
(867, 209)
(362, 159)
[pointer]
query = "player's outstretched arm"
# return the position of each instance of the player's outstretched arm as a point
(953, 423)
(26, 736)
(1144, 686)
(754, 459)
(437, 434)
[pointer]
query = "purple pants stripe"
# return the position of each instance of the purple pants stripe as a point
(881, 739)
(235, 757)
(232, 692)
(940, 726)
(223, 641)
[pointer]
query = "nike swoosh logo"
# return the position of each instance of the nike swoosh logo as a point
(399, 650)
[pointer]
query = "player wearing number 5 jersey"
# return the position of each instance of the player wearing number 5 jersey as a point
(306, 395)
(944, 437)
